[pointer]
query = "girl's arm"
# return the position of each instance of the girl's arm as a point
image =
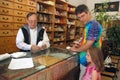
(94, 75)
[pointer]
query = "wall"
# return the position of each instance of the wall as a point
(92, 3)
(77, 2)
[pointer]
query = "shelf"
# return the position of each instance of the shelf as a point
(70, 39)
(43, 12)
(45, 3)
(58, 41)
(71, 12)
(59, 20)
(60, 23)
(71, 18)
(60, 16)
(60, 8)
(45, 22)
(56, 16)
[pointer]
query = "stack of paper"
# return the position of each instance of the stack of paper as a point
(18, 54)
(4, 56)
(21, 63)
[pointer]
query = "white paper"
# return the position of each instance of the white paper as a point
(4, 56)
(40, 43)
(21, 63)
(68, 47)
(18, 54)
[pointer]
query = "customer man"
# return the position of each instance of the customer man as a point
(32, 37)
(91, 36)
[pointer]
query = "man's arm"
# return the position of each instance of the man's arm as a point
(87, 45)
(45, 42)
(20, 41)
(46, 39)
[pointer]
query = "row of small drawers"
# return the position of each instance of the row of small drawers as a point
(8, 44)
(17, 12)
(7, 40)
(8, 33)
(8, 49)
(7, 26)
(12, 19)
(10, 4)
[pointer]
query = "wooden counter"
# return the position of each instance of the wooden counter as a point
(60, 70)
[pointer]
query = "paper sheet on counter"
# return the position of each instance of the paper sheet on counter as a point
(18, 54)
(21, 63)
(4, 56)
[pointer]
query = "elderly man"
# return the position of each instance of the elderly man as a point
(32, 37)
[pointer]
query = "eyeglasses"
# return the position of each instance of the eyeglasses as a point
(32, 21)
(81, 16)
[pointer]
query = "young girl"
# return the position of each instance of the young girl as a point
(95, 64)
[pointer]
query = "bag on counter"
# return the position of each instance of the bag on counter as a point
(107, 61)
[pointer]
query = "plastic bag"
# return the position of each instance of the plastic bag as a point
(107, 60)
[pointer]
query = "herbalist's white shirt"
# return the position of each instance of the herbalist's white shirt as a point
(33, 39)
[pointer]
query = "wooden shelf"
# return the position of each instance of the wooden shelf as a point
(57, 16)
(63, 22)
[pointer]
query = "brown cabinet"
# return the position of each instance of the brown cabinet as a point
(57, 16)
(59, 19)
(71, 26)
(79, 30)
(6, 32)
(31, 3)
(6, 26)
(21, 1)
(20, 13)
(6, 11)
(17, 25)
(12, 17)
(4, 3)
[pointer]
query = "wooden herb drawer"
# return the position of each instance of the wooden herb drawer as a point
(6, 25)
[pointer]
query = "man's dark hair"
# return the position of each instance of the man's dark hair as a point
(30, 14)
(81, 8)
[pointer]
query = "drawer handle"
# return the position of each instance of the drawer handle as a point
(5, 4)
(19, 26)
(31, 3)
(5, 25)
(20, 7)
(5, 18)
(19, 13)
(20, 0)
(5, 11)
(19, 19)
(31, 9)
(5, 32)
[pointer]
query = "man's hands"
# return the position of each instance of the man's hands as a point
(36, 48)
(75, 47)
(43, 46)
